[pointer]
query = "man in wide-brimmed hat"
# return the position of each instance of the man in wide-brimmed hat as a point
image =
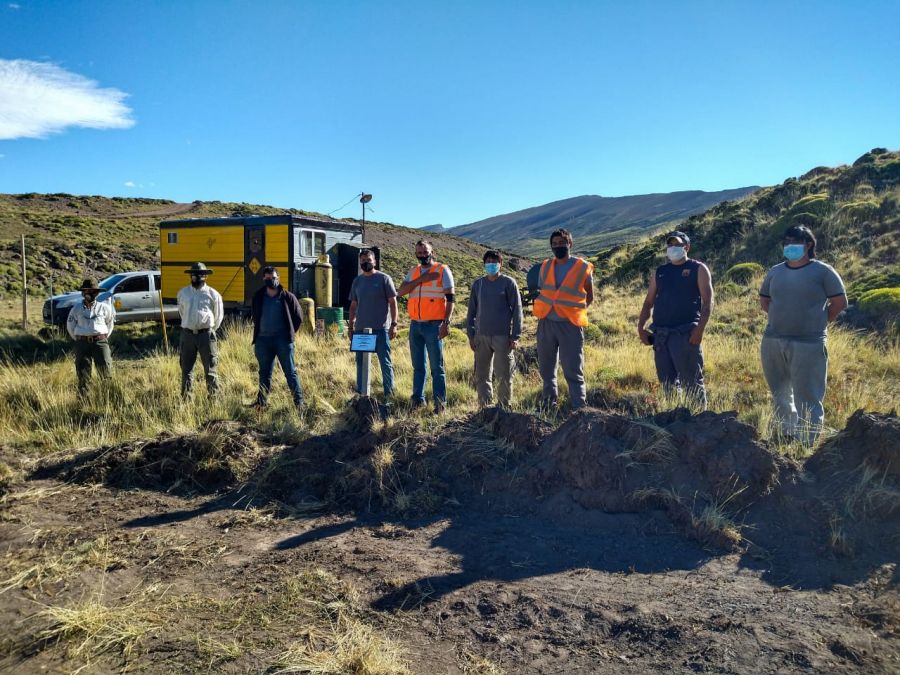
(90, 324)
(201, 310)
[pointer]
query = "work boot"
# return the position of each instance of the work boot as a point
(415, 403)
(439, 407)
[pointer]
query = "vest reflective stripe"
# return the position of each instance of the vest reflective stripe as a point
(569, 299)
(427, 301)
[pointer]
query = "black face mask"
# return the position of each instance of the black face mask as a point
(425, 259)
(560, 251)
(367, 266)
(196, 280)
(271, 283)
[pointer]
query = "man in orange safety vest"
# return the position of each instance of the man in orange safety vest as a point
(431, 299)
(566, 289)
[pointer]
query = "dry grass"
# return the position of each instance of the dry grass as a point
(92, 627)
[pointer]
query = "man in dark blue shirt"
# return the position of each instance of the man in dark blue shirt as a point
(681, 298)
(276, 317)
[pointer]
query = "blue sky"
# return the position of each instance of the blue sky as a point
(448, 112)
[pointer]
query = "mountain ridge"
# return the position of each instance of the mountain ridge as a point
(594, 220)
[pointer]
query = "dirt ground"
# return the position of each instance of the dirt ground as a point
(536, 561)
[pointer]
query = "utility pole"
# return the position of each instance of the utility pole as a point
(24, 289)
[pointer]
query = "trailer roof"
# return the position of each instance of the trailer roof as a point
(324, 223)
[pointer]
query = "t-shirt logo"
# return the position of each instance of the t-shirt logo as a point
(685, 273)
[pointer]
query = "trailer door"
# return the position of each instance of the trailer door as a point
(254, 260)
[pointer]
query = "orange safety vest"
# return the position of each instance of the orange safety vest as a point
(427, 301)
(569, 299)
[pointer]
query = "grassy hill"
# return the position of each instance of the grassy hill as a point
(596, 222)
(69, 237)
(854, 212)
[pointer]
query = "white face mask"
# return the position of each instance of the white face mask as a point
(675, 252)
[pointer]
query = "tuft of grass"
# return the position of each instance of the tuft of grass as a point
(91, 627)
(346, 646)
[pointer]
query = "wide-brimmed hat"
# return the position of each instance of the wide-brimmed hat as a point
(198, 268)
(90, 284)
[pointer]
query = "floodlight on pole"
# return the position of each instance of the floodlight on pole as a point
(364, 199)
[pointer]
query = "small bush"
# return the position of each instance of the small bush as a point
(881, 302)
(743, 273)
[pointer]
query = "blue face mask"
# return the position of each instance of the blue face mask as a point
(492, 268)
(794, 252)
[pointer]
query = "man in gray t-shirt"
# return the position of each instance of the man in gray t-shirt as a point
(494, 326)
(801, 296)
(373, 305)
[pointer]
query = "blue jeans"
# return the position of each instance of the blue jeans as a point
(424, 344)
(267, 348)
(383, 350)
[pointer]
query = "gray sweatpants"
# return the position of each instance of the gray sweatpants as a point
(493, 356)
(796, 373)
(679, 364)
(561, 342)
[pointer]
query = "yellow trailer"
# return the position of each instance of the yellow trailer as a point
(238, 249)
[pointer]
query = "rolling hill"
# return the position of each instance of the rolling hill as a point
(594, 221)
(69, 237)
(854, 212)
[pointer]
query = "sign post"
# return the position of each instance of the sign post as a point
(364, 343)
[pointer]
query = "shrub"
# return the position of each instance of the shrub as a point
(881, 303)
(743, 273)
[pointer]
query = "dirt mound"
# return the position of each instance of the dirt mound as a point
(701, 469)
(223, 453)
(525, 432)
(870, 440)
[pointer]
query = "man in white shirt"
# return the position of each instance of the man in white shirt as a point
(201, 310)
(90, 324)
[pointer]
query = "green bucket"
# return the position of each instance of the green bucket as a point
(332, 319)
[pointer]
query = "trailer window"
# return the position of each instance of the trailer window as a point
(172, 237)
(312, 244)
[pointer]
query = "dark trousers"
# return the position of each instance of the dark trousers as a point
(267, 349)
(87, 353)
(383, 350)
(206, 346)
(679, 364)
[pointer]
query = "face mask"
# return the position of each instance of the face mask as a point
(794, 252)
(89, 297)
(196, 280)
(425, 259)
(675, 252)
(367, 266)
(492, 268)
(271, 283)
(560, 251)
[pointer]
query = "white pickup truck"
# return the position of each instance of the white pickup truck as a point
(134, 295)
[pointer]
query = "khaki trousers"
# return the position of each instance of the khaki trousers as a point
(493, 356)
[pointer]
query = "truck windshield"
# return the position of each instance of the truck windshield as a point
(109, 282)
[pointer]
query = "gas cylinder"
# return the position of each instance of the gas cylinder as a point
(323, 281)
(308, 307)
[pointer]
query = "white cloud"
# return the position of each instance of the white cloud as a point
(130, 183)
(38, 99)
(14, 5)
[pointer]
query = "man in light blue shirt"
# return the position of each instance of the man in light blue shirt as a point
(90, 324)
(201, 310)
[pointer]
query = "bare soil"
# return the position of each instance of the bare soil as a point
(605, 545)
